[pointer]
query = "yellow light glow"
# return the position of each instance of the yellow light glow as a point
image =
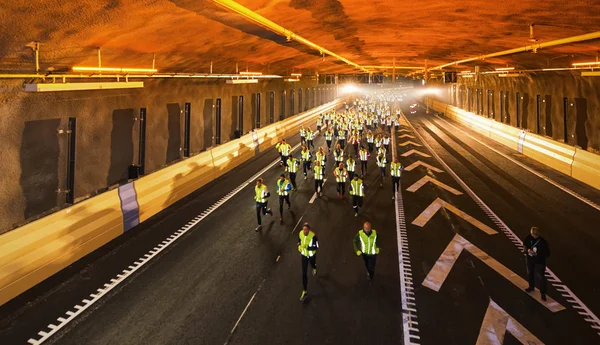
(590, 74)
(113, 69)
(505, 75)
(505, 69)
(296, 74)
(292, 79)
(587, 63)
(250, 73)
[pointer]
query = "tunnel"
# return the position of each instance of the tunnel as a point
(299, 172)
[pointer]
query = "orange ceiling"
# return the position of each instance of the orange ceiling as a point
(187, 35)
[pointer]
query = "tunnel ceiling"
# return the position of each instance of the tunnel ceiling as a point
(187, 35)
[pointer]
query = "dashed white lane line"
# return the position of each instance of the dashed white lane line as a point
(531, 170)
(95, 297)
(575, 302)
(312, 200)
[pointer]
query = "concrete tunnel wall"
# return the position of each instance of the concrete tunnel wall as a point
(34, 154)
(583, 104)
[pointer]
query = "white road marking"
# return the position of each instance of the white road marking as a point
(410, 327)
(531, 170)
(417, 163)
(410, 143)
(438, 274)
(426, 179)
(312, 200)
(408, 153)
(495, 324)
(576, 303)
(437, 204)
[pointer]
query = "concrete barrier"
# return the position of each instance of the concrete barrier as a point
(36, 251)
(577, 163)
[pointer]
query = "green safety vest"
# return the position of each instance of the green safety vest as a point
(307, 241)
(292, 165)
(318, 172)
(285, 149)
(281, 186)
(396, 169)
(381, 161)
(305, 155)
(261, 193)
(363, 154)
(328, 136)
(357, 188)
(340, 175)
(367, 243)
(339, 155)
(350, 164)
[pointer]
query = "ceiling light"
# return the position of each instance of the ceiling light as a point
(587, 63)
(82, 86)
(467, 76)
(250, 73)
(292, 79)
(505, 75)
(505, 69)
(296, 74)
(114, 69)
(242, 81)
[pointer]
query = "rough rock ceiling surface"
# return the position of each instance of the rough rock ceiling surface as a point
(187, 35)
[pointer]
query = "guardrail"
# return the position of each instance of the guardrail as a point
(36, 251)
(573, 161)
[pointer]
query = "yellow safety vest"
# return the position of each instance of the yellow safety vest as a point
(340, 175)
(350, 164)
(396, 169)
(282, 187)
(364, 155)
(305, 242)
(357, 188)
(318, 172)
(321, 157)
(285, 149)
(305, 155)
(261, 194)
(367, 243)
(381, 161)
(292, 164)
(339, 155)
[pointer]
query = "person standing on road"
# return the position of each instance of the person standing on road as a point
(308, 244)
(261, 194)
(319, 173)
(536, 252)
(310, 136)
(381, 163)
(395, 171)
(363, 155)
(293, 164)
(357, 190)
(351, 166)
(329, 138)
(283, 189)
(285, 150)
(366, 243)
(341, 174)
(306, 156)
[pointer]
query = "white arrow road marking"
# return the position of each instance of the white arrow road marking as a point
(406, 136)
(495, 324)
(410, 143)
(405, 131)
(443, 266)
(426, 179)
(438, 203)
(417, 163)
(406, 154)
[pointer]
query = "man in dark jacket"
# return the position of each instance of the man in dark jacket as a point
(536, 251)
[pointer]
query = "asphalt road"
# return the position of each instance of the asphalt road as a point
(223, 283)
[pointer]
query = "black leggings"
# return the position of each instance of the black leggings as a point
(363, 167)
(356, 202)
(350, 175)
(310, 144)
(535, 269)
(395, 184)
(342, 143)
(261, 206)
(305, 261)
(293, 179)
(329, 144)
(306, 167)
(341, 188)
(370, 261)
(318, 184)
(282, 198)
(370, 147)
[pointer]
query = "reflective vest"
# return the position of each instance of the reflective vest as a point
(342, 134)
(357, 188)
(305, 155)
(340, 175)
(292, 164)
(386, 141)
(318, 172)
(396, 169)
(350, 164)
(339, 155)
(306, 241)
(319, 121)
(302, 132)
(261, 194)
(283, 187)
(321, 157)
(285, 149)
(310, 135)
(367, 243)
(328, 136)
(381, 150)
(378, 142)
(363, 155)
(381, 161)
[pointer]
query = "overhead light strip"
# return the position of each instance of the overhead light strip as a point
(113, 69)
(266, 23)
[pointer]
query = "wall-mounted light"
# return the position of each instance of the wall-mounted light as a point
(292, 79)
(590, 74)
(50, 87)
(113, 69)
(508, 75)
(296, 74)
(505, 69)
(242, 81)
(250, 73)
(586, 63)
